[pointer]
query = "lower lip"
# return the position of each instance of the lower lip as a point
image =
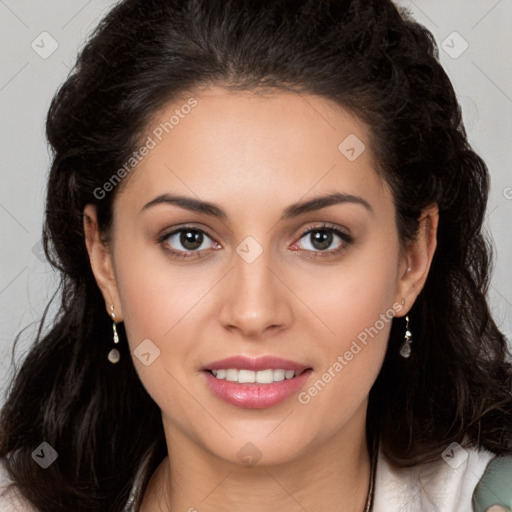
(255, 396)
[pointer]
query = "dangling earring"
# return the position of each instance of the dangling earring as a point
(114, 355)
(405, 349)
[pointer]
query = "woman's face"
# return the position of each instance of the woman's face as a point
(247, 265)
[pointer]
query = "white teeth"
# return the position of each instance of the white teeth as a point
(265, 376)
(260, 377)
(289, 374)
(232, 375)
(246, 376)
(279, 375)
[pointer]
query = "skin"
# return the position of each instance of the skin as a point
(254, 155)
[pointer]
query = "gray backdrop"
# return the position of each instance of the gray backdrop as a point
(39, 42)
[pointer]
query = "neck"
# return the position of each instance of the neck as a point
(332, 476)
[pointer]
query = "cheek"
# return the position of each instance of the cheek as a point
(155, 293)
(159, 304)
(162, 302)
(355, 306)
(351, 297)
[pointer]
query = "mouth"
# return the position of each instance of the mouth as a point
(255, 383)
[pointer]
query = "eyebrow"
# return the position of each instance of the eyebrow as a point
(294, 210)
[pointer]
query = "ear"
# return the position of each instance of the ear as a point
(417, 258)
(100, 258)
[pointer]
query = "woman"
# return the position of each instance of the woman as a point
(268, 220)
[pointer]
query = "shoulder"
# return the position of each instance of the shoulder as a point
(447, 484)
(10, 498)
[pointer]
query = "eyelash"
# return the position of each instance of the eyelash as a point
(183, 254)
(345, 237)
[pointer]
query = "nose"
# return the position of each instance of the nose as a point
(255, 300)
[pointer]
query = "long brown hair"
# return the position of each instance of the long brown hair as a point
(368, 57)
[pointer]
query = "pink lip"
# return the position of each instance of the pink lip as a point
(255, 364)
(254, 395)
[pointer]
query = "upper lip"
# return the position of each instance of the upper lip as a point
(256, 364)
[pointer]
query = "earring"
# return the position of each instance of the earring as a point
(405, 349)
(114, 355)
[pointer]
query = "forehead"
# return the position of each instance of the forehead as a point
(249, 148)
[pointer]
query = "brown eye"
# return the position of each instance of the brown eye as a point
(186, 240)
(321, 240)
(191, 240)
(324, 239)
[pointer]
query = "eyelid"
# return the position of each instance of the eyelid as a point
(184, 227)
(184, 254)
(328, 227)
(346, 238)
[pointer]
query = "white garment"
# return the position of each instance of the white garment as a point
(434, 487)
(11, 500)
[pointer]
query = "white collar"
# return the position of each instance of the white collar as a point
(432, 487)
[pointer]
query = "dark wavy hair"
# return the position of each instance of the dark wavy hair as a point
(367, 56)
